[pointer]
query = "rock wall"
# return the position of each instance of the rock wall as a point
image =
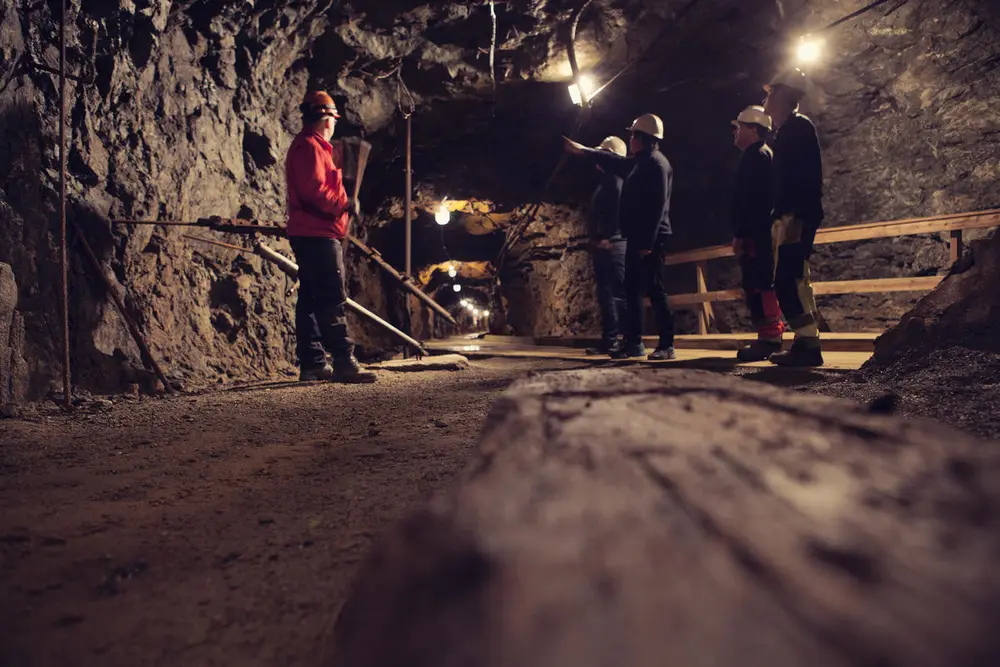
(13, 367)
(178, 111)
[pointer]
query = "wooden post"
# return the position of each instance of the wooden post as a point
(706, 315)
(955, 245)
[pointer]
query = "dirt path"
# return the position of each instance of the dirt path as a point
(221, 529)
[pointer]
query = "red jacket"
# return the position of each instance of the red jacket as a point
(317, 201)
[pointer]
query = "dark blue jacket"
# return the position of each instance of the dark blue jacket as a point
(798, 170)
(602, 216)
(752, 198)
(644, 211)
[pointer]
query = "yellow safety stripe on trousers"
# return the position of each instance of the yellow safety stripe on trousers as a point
(806, 325)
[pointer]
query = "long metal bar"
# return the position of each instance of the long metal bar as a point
(866, 8)
(376, 257)
(409, 197)
(571, 52)
(63, 249)
(133, 328)
(291, 269)
(274, 230)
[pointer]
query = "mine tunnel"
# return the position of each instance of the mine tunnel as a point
(514, 333)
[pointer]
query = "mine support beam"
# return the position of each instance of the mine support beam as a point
(242, 226)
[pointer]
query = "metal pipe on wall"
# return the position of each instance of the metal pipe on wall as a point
(63, 254)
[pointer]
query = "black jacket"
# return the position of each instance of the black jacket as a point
(644, 211)
(798, 170)
(602, 216)
(752, 198)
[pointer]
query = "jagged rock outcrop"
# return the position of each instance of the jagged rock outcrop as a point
(13, 367)
(963, 311)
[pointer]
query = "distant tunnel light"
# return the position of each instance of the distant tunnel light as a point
(452, 271)
(809, 50)
(442, 215)
(457, 288)
(587, 83)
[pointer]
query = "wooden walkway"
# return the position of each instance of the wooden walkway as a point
(842, 352)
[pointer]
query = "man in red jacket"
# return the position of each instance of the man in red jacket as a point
(318, 218)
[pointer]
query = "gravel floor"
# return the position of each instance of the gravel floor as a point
(219, 529)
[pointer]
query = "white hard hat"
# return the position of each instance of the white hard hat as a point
(754, 115)
(795, 79)
(614, 145)
(649, 124)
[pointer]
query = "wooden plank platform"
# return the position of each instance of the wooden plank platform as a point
(833, 342)
(711, 359)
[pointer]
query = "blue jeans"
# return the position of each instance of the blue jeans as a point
(320, 313)
(609, 274)
(646, 277)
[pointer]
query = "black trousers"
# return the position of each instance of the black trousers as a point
(757, 270)
(609, 274)
(646, 276)
(320, 314)
(794, 239)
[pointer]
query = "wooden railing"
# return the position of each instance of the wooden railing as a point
(954, 224)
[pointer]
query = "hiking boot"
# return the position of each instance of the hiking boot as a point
(347, 369)
(322, 373)
(663, 354)
(629, 352)
(604, 349)
(759, 350)
(803, 353)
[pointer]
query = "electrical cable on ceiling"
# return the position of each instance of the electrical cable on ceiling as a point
(866, 8)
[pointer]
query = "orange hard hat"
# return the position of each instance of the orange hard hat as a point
(319, 103)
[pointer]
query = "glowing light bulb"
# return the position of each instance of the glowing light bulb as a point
(457, 288)
(809, 50)
(442, 215)
(587, 84)
(452, 271)
(475, 312)
(486, 313)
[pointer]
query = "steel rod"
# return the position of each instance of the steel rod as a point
(291, 269)
(133, 328)
(63, 250)
(408, 213)
(218, 243)
(571, 52)
(371, 253)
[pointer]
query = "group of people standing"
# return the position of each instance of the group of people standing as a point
(777, 209)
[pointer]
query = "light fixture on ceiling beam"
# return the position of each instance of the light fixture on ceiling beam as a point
(586, 83)
(442, 215)
(809, 50)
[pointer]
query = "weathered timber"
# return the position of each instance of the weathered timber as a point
(659, 518)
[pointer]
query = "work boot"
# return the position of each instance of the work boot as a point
(322, 373)
(347, 369)
(804, 352)
(759, 350)
(629, 351)
(663, 354)
(604, 349)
